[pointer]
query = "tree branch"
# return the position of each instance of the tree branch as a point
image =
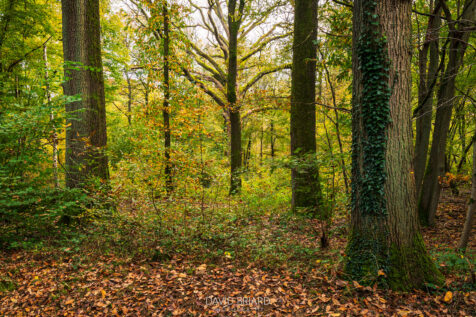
(260, 75)
(262, 45)
(203, 87)
(14, 63)
(209, 59)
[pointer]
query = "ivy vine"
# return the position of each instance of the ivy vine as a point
(375, 111)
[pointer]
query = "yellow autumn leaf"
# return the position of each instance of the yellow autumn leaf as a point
(448, 297)
(103, 293)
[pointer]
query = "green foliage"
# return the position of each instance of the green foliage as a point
(453, 262)
(7, 284)
(31, 207)
(233, 234)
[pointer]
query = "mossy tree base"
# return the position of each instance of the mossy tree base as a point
(372, 258)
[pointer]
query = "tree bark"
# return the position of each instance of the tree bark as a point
(129, 97)
(306, 189)
(468, 225)
(271, 138)
(234, 22)
(261, 142)
(385, 244)
(86, 118)
(166, 106)
(458, 37)
(428, 75)
(54, 135)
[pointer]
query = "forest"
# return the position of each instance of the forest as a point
(237, 157)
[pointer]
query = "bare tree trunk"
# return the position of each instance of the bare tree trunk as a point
(86, 118)
(385, 243)
(458, 37)
(468, 225)
(129, 98)
(428, 75)
(234, 22)
(261, 143)
(248, 152)
(54, 136)
(166, 107)
(465, 152)
(306, 189)
(271, 138)
(339, 140)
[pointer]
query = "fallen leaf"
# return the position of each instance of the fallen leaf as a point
(448, 296)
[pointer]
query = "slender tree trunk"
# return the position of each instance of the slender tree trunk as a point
(465, 152)
(248, 152)
(261, 143)
(306, 189)
(54, 136)
(234, 22)
(271, 141)
(129, 98)
(428, 75)
(337, 126)
(146, 95)
(166, 106)
(86, 118)
(429, 196)
(468, 225)
(385, 243)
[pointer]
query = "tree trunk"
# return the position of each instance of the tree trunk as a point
(428, 75)
(235, 151)
(86, 118)
(54, 135)
(166, 107)
(464, 153)
(429, 196)
(468, 225)
(306, 189)
(271, 138)
(261, 142)
(129, 98)
(248, 153)
(385, 244)
(234, 22)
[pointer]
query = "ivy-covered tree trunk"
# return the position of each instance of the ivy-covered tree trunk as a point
(234, 22)
(385, 243)
(306, 189)
(458, 37)
(86, 118)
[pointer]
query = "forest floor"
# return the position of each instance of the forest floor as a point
(91, 282)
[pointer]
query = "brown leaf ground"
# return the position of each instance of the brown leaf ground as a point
(60, 284)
